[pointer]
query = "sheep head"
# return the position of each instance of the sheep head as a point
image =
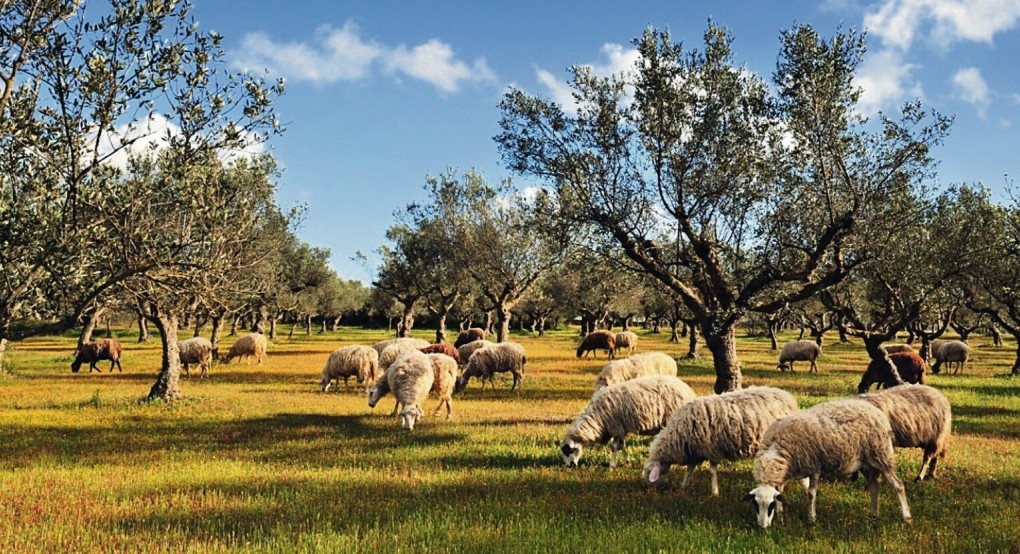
(571, 451)
(765, 499)
(409, 416)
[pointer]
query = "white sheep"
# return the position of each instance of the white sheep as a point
(638, 365)
(358, 361)
(445, 379)
(626, 340)
(381, 345)
(468, 349)
(196, 350)
(949, 352)
(639, 406)
(920, 417)
(393, 351)
(833, 439)
(486, 362)
(411, 377)
(799, 351)
(252, 344)
(728, 426)
(894, 348)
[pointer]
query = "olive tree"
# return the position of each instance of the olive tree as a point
(735, 196)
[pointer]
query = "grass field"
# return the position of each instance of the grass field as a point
(256, 459)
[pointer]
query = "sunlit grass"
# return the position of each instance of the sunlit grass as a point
(256, 459)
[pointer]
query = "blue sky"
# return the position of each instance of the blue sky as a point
(382, 93)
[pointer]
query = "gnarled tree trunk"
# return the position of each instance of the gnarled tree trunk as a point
(167, 386)
(143, 328)
(723, 345)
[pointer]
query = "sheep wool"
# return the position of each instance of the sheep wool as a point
(442, 348)
(599, 339)
(833, 439)
(469, 335)
(894, 348)
(445, 379)
(799, 351)
(894, 369)
(252, 344)
(358, 361)
(486, 362)
(381, 345)
(196, 350)
(468, 349)
(94, 351)
(728, 426)
(921, 417)
(950, 353)
(638, 365)
(640, 406)
(627, 340)
(395, 350)
(411, 378)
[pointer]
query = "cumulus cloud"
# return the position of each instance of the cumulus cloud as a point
(152, 134)
(898, 22)
(886, 81)
(334, 55)
(618, 61)
(971, 87)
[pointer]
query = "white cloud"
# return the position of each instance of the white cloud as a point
(898, 22)
(971, 87)
(334, 55)
(619, 61)
(137, 138)
(559, 91)
(886, 81)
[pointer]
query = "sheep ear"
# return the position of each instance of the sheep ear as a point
(749, 497)
(781, 499)
(566, 449)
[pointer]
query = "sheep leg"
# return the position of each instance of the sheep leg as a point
(926, 461)
(687, 476)
(872, 479)
(812, 495)
(205, 370)
(517, 379)
(396, 407)
(897, 485)
(715, 477)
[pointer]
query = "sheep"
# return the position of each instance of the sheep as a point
(498, 358)
(626, 340)
(393, 351)
(196, 350)
(894, 348)
(252, 344)
(469, 335)
(832, 439)
(445, 379)
(894, 369)
(950, 352)
(597, 340)
(642, 406)
(638, 365)
(728, 426)
(92, 352)
(799, 351)
(442, 348)
(411, 378)
(381, 345)
(358, 361)
(921, 417)
(468, 349)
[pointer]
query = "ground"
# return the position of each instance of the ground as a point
(257, 459)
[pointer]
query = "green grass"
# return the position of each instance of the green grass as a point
(255, 459)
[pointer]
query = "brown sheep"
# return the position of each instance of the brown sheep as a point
(597, 340)
(470, 335)
(896, 369)
(252, 344)
(442, 348)
(92, 352)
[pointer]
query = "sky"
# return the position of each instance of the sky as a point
(380, 94)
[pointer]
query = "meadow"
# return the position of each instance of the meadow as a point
(256, 459)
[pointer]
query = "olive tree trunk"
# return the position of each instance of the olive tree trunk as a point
(91, 320)
(143, 328)
(723, 345)
(167, 386)
(503, 323)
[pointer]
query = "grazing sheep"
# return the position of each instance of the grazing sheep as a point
(381, 345)
(920, 417)
(597, 340)
(894, 348)
(468, 349)
(94, 351)
(252, 344)
(445, 379)
(799, 351)
(470, 335)
(950, 352)
(486, 362)
(833, 439)
(196, 350)
(626, 340)
(358, 361)
(728, 426)
(393, 351)
(442, 348)
(894, 369)
(380, 389)
(642, 406)
(638, 365)
(411, 378)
